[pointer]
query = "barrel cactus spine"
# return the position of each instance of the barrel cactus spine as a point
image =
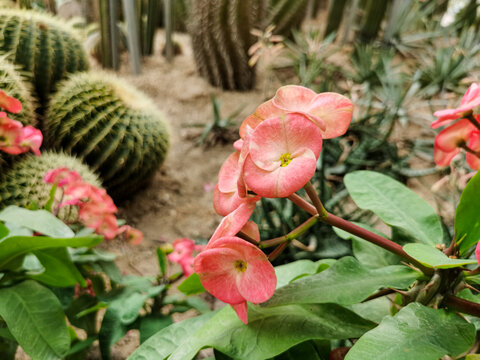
(23, 184)
(221, 38)
(43, 46)
(286, 15)
(113, 127)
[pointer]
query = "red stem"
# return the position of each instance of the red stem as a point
(462, 305)
(302, 203)
(374, 239)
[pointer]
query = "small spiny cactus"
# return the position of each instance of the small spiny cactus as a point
(221, 38)
(23, 184)
(42, 45)
(110, 125)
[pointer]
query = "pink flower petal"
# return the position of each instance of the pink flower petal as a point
(453, 136)
(264, 111)
(251, 229)
(216, 270)
(442, 158)
(242, 311)
(283, 181)
(10, 103)
(334, 110)
(293, 98)
(228, 175)
(225, 203)
(477, 252)
(277, 136)
(233, 223)
(220, 275)
(474, 143)
(470, 100)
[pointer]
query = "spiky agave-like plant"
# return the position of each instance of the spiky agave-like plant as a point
(115, 128)
(221, 38)
(12, 82)
(23, 184)
(44, 46)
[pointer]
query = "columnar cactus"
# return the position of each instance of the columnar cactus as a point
(42, 45)
(286, 15)
(23, 184)
(112, 126)
(221, 38)
(15, 85)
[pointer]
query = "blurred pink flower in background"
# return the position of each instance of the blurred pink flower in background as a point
(182, 254)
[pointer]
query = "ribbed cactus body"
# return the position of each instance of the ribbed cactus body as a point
(115, 128)
(23, 183)
(42, 45)
(15, 85)
(221, 38)
(286, 15)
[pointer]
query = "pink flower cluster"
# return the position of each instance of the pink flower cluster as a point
(183, 254)
(14, 137)
(462, 130)
(95, 207)
(276, 156)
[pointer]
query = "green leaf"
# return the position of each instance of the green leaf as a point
(348, 282)
(59, 270)
(15, 246)
(150, 325)
(467, 221)
(191, 302)
(415, 332)
(432, 257)
(40, 221)
(35, 318)
(87, 320)
(367, 253)
(292, 271)
(270, 331)
(472, 357)
(374, 310)
(395, 204)
(191, 285)
(164, 342)
(3, 231)
(162, 261)
(305, 350)
(124, 309)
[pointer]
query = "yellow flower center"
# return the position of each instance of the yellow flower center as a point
(240, 265)
(285, 159)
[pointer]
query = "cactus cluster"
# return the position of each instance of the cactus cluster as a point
(12, 82)
(221, 38)
(286, 15)
(23, 184)
(113, 127)
(44, 46)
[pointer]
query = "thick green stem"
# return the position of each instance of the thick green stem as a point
(298, 231)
